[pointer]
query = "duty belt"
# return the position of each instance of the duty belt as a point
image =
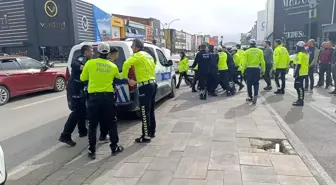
(146, 83)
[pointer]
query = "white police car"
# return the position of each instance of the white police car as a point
(127, 96)
(3, 172)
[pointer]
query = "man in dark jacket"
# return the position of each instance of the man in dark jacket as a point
(203, 60)
(76, 98)
(213, 76)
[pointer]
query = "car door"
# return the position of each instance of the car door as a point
(43, 78)
(165, 73)
(14, 77)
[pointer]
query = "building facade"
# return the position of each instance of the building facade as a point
(269, 14)
(291, 21)
(54, 26)
(261, 26)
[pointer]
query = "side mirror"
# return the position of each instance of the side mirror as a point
(44, 68)
(169, 63)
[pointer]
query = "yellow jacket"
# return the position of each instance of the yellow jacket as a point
(281, 58)
(238, 61)
(222, 62)
(183, 65)
(254, 57)
(144, 66)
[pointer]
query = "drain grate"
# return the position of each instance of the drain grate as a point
(281, 147)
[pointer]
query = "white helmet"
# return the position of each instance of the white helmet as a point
(301, 44)
(234, 48)
(253, 41)
(219, 48)
(103, 48)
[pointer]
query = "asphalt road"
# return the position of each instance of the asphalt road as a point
(314, 124)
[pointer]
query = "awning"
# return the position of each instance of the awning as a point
(329, 28)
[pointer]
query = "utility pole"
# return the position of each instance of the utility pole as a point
(312, 14)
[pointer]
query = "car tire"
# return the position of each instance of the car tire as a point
(4, 95)
(173, 89)
(59, 84)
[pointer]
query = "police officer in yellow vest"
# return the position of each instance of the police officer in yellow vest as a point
(281, 63)
(144, 66)
(254, 59)
(241, 54)
(100, 74)
(183, 69)
(223, 71)
(238, 64)
(301, 71)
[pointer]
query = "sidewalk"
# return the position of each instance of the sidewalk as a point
(197, 143)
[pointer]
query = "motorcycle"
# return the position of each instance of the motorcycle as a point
(3, 172)
(45, 61)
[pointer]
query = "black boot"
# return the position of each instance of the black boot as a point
(249, 99)
(92, 155)
(193, 90)
(298, 103)
(116, 149)
(268, 88)
(67, 140)
(255, 99)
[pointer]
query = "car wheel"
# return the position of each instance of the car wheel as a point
(59, 84)
(173, 89)
(4, 95)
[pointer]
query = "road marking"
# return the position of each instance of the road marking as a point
(27, 170)
(38, 102)
(31, 161)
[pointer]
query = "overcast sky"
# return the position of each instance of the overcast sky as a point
(226, 18)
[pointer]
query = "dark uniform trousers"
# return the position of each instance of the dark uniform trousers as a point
(185, 76)
(267, 76)
(298, 85)
(310, 78)
(224, 79)
(147, 95)
(196, 78)
(76, 103)
(252, 80)
(101, 108)
(212, 82)
(324, 68)
(282, 74)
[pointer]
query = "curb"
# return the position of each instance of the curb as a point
(315, 168)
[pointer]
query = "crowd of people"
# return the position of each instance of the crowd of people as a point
(216, 66)
(91, 95)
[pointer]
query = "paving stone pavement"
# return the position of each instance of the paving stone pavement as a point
(197, 143)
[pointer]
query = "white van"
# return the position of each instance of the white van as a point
(127, 96)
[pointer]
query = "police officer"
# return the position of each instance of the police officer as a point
(144, 67)
(203, 60)
(223, 71)
(76, 98)
(100, 74)
(301, 72)
(281, 64)
(213, 79)
(254, 58)
(236, 70)
(196, 78)
(241, 54)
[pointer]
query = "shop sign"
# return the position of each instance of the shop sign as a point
(295, 7)
(117, 22)
(294, 34)
(85, 23)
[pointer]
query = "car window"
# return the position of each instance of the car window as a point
(28, 63)
(10, 64)
(161, 56)
(151, 52)
(119, 62)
